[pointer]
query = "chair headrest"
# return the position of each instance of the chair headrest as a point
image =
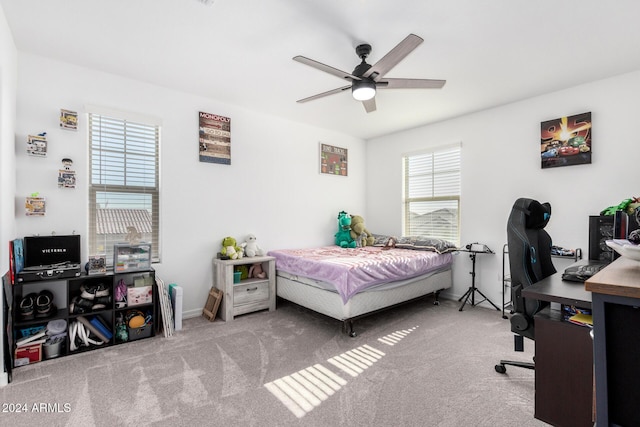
(537, 214)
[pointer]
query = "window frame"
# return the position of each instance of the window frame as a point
(435, 172)
(94, 189)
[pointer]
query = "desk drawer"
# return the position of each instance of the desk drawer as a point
(250, 293)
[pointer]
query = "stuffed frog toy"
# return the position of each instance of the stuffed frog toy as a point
(230, 248)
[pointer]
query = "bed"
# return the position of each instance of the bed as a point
(349, 283)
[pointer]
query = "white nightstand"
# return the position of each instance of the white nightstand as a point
(250, 294)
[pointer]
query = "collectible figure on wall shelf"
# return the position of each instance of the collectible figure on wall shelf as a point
(66, 176)
(37, 145)
(68, 119)
(35, 205)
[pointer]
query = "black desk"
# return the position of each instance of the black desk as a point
(554, 289)
(563, 356)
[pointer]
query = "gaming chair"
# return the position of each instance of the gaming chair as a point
(529, 262)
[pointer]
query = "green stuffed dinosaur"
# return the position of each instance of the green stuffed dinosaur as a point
(343, 236)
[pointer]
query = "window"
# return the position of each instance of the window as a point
(432, 193)
(124, 188)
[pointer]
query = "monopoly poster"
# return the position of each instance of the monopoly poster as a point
(214, 138)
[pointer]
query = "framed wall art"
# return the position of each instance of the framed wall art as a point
(214, 138)
(333, 160)
(566, 141)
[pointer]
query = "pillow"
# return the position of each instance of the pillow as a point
(424, 243)
(381, 239)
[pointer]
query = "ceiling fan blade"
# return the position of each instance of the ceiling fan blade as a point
(370, 105)
(410, 84)
(326, 68)
(393, 57)
(323, 94)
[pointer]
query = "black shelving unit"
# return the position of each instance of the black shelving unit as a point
(64, 291)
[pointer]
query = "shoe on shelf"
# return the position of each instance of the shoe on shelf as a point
(44, 304)
(103, 300)
(80, 305)
(100, 303)
(92, 291)
(27, 307)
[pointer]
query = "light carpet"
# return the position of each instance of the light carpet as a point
(415, 365)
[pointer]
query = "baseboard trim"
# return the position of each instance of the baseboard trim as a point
(4, 379)
(191, 314)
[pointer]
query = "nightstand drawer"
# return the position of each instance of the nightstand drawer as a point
(250, 293)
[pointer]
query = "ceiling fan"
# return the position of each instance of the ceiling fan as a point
(366, 79)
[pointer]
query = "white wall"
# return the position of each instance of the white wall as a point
(8, 73)
(501, 162)
(272, 188)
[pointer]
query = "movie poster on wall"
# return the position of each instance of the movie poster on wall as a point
(215, 138)
(566, 141)
(333, 160)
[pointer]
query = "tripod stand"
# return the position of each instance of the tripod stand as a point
(472, 289)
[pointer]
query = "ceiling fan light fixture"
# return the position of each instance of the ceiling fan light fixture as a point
(363, 90)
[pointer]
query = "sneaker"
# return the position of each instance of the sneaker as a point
(27, 307)
(80, 305)
(44, 304)
(92, 291)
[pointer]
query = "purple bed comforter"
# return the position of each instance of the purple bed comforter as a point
(353, 270)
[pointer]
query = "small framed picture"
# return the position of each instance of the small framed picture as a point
(97, 264)
(334, 160)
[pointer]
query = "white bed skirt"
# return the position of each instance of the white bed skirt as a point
(330, 303)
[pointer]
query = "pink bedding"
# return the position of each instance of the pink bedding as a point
(353, 270)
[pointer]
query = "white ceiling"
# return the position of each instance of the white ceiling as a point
(240, 52)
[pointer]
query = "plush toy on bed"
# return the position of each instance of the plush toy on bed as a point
(343, 236)
(359, 232)
(230, 248)
(251, 247)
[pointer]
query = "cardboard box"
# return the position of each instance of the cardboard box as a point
(32, 352)
(139, 295)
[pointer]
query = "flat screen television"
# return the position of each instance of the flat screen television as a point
(51, 250)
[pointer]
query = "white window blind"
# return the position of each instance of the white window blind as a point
(432, 193)
(124, 188)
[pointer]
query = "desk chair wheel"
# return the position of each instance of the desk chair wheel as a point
(501, 369)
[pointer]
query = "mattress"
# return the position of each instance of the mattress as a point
(349, 271)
